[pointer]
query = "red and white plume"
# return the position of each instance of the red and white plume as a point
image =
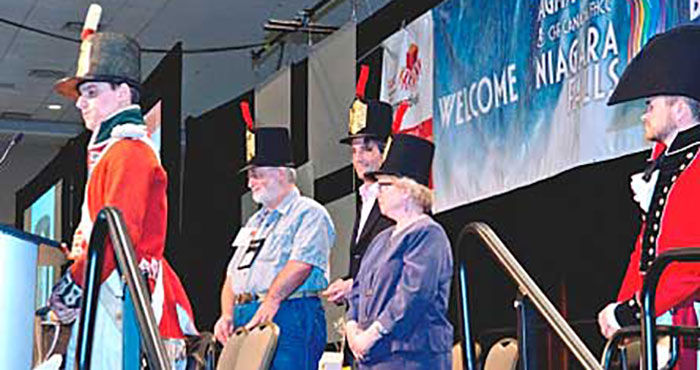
(92, 20)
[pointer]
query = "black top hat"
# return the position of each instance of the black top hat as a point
(409, 156)
(272, 148)
(667, 65)
(371, 119)
(107, 57)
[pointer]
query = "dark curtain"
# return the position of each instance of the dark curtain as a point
(572, 233)
(164, 84)
(211, 209)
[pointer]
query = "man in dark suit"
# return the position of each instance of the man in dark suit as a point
(370, 127)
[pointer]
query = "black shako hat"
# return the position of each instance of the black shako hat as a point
(409, 156)
(669, 64)
(105, 57)
(371, 119)
(272, 148)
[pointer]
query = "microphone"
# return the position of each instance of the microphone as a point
(15, 140)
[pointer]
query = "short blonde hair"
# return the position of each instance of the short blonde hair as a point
(420, 194)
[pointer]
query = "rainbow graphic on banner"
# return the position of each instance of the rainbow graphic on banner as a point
(645, 22)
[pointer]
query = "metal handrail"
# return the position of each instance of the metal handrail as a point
(648, 297)
(635, 331)
(110, 219)
(527, 286)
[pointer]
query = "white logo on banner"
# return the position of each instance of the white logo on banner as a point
(408, 71)
(694, 9)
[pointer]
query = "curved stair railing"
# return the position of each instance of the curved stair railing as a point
(110, 221)
(527, 287)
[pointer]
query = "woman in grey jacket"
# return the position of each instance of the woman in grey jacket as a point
(397, 317)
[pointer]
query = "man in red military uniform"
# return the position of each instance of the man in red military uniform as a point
(666, 74)
(124, 171)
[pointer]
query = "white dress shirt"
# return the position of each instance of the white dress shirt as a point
(368, 193)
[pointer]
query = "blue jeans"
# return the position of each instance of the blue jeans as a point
(302, 324)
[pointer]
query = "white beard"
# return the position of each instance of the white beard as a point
(263, 197)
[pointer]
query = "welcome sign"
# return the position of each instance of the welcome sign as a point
(520, 88)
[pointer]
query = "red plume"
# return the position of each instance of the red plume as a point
(362, 82)
(400, 111)
(245, 108)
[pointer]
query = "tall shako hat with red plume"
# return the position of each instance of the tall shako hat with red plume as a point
(265, 146)
(104, 56)
(368, 118)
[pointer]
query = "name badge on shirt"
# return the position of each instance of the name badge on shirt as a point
(244, 237)
(251, 253)
(249, 245)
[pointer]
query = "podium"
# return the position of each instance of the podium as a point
(29, 266)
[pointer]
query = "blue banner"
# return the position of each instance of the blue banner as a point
(520, 88)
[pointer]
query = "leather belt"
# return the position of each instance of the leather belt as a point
(244, 298)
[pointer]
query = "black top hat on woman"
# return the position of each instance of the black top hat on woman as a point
(408, 156)
(370, 119)
(104, 57)
(272, 148)
(667, 65)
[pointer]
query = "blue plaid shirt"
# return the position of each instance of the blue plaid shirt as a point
(299, 229)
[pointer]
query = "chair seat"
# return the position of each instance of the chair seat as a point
(250, 350)
(503, 355)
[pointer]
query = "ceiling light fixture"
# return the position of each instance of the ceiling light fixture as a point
(54, 107)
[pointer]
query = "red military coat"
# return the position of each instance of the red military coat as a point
(671, 220)
(127, 174)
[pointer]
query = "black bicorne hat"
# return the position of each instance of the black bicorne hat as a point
(272, 148)
(107, 57)
(409, 156)
(369, 119)
(669, 64)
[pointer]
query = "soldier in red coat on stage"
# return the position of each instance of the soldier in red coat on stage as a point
(124, 171)
(666, 74)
